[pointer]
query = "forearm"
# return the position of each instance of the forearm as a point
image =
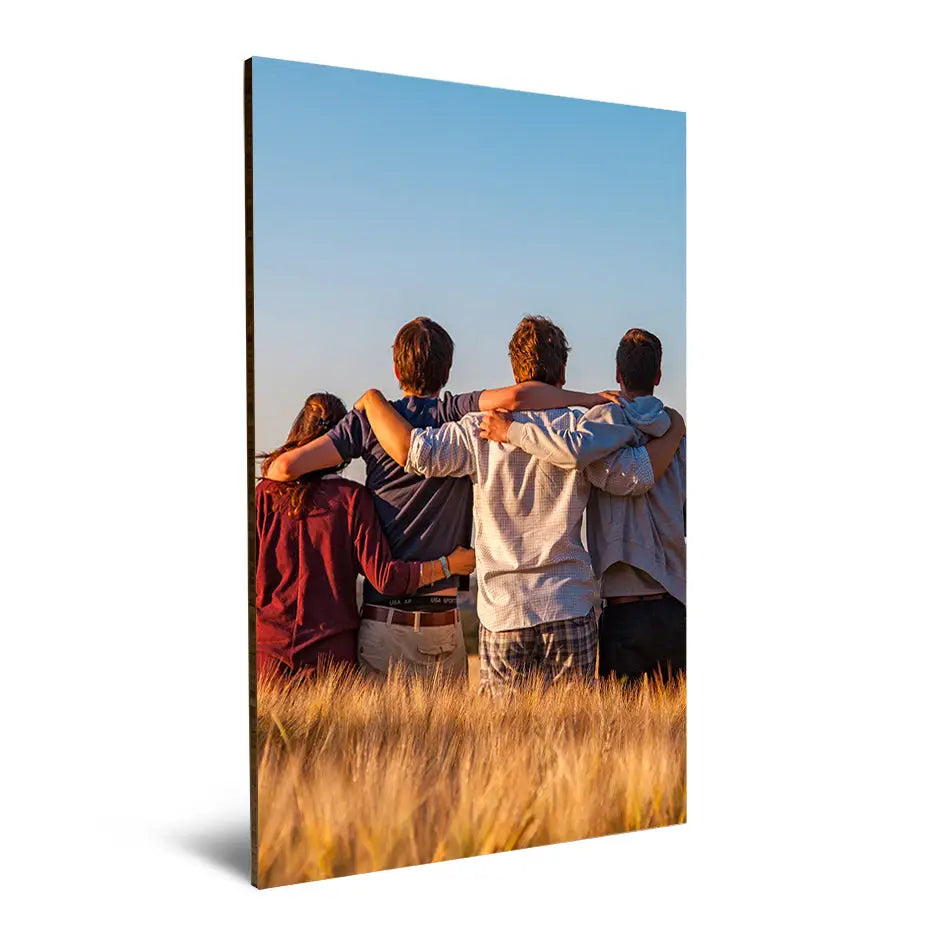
(431, 571)
(391, 429)
(535, 395)
(401, 577)
(311, 457)
(570, 449)
(661, 450)
(459, 562)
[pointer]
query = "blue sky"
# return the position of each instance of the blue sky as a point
(379, 198)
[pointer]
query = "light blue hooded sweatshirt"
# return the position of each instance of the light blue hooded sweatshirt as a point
(644, 530)
(629, 519)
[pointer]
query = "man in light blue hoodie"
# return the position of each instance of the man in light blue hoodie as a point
(635, 535)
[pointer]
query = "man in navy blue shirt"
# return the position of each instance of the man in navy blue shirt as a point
(420, 517)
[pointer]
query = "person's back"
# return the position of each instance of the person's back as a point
(300, 559)
(420, 517)
(531, 564)
(310, 535)
(636, 541)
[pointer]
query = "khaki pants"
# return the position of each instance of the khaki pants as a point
(426, 651)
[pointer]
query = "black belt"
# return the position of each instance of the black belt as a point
(616, 600)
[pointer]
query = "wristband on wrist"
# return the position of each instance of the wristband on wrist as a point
(445, 566)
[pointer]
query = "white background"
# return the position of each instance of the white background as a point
(811, 254)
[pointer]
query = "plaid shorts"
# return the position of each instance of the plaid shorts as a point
(554, 650)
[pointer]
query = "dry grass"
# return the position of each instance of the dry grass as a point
(355, 777)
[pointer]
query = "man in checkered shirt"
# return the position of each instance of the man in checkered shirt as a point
(536, 584)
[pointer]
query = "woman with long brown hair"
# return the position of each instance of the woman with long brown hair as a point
(315, 534)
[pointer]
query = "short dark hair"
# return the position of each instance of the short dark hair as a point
(423, 356)
(639, 360)
(538, 351)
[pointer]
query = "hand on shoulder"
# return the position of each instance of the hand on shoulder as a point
(495, 425)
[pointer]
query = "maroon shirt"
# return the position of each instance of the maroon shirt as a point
(307, 569)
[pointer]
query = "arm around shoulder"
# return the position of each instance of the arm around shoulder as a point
(627, 472)
(634, 470)
(443, 451)
(572, 448)
(536, 395)
(390, 428)
(662, 450)
(320, 453)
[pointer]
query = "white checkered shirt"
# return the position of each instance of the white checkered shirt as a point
(531, 565)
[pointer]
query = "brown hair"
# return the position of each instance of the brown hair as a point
(639, 360)
(538, 351)
(319, 415)
(423, 356)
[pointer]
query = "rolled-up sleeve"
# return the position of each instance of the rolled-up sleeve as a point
(443, 451)
(626, 472)
(571, 448)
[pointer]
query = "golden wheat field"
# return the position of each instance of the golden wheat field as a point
(355, 776)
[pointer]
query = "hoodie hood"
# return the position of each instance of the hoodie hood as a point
(647, 413)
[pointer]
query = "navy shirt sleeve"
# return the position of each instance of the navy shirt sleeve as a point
(348, 435)
(456, 406)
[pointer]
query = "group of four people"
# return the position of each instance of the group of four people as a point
(519, 465)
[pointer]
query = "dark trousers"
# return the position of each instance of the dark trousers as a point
(645, 637)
